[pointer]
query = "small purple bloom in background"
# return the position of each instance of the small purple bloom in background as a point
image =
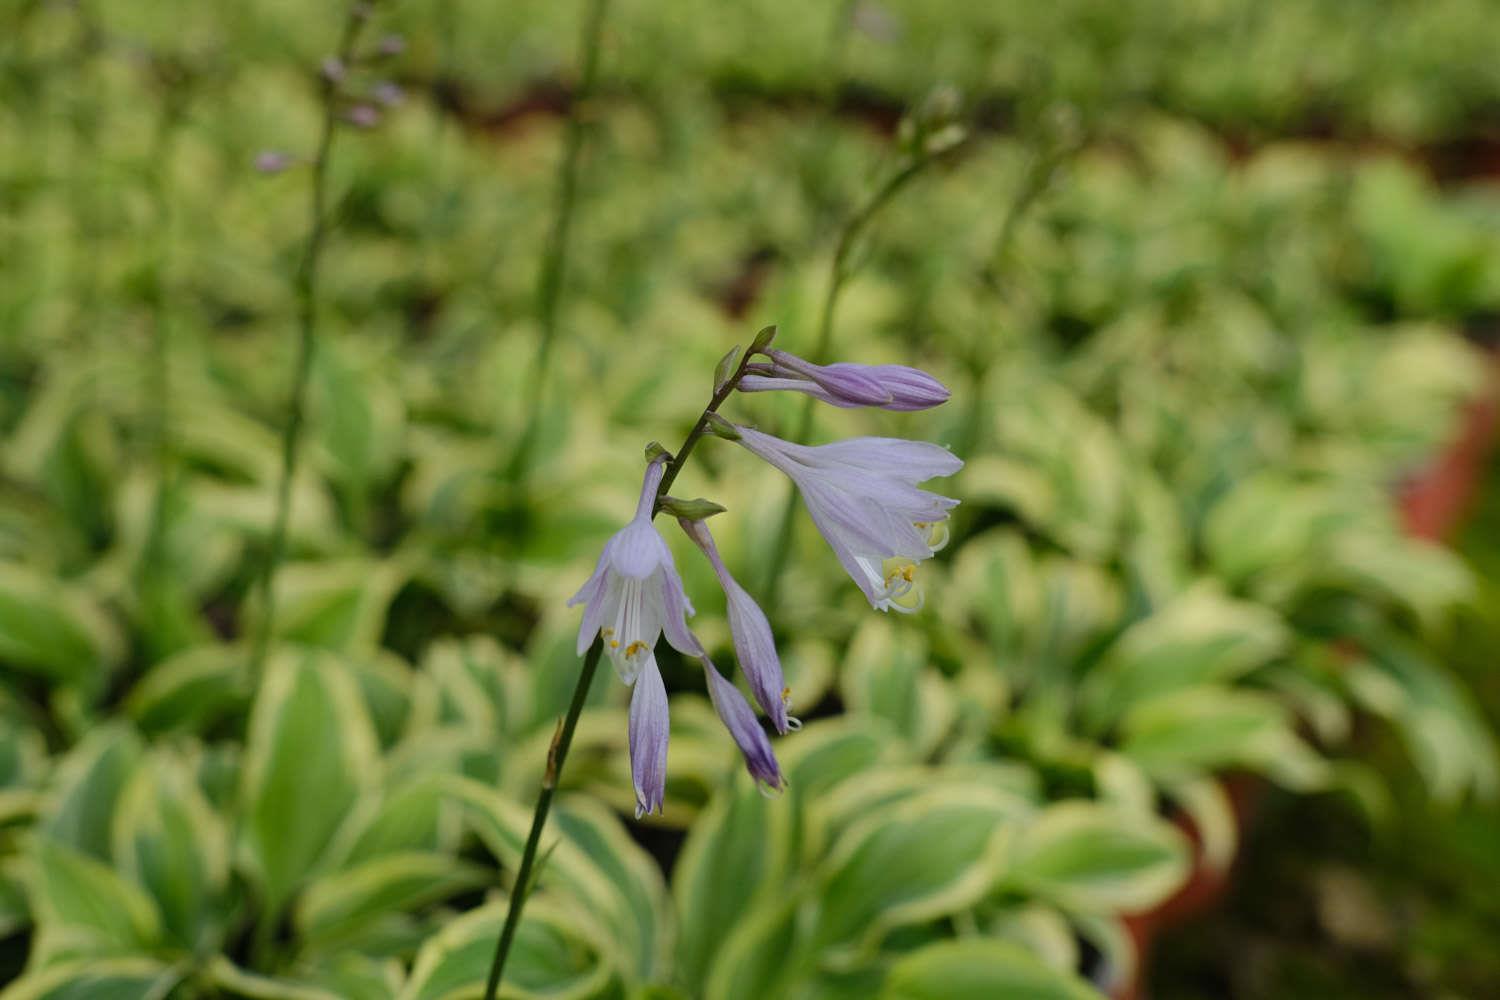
(739, 718)
(363, 116)
(273, 161)
(388, 94)
(649, 730)
(862, 494)
(754, 646)
(845, 384)
(635, 593)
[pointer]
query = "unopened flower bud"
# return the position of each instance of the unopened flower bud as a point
(691, 510)
(273, 161)
(333, 69)
(719, 427)
(725, 368)
(362, 116)
(391, 45)
(388, 94)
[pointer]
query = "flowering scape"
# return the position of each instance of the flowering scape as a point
(863, 497)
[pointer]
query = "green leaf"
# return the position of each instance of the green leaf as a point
(882, 872)
(578, 879)
(311, 752)
(335, 605)
(634, 874)
(1091, 857)
(86, 787)
(190, 691)
(756, 954)
(413, 816)
(1206, 729)
(978, 969)
(736, 853)
(1202, 636)
(233, 981)
(84, 908)
(548, 958)
(93, 979)
(337, 905)
(168, 839)
(49, 629)
(886, 676)
(1446, 734)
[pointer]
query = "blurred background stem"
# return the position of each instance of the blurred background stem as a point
(307, 335)
(555, 260)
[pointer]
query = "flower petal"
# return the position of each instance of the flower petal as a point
(737, 716)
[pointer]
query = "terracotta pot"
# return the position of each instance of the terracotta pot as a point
(1432, 504)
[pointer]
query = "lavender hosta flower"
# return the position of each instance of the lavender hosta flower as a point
(739, 718)
(845, 384)
(863, 496)
(649, 729)
(635, 594)
(754, 646)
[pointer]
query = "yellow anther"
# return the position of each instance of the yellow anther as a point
(635, 647)
(907, 572)
(614, 644)
(606, 632)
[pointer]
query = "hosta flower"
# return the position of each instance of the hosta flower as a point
(648, 738)
(739, 718)
(754, 646)
(635, 593)
(863, 496)
(890, 387)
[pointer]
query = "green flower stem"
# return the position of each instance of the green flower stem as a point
(557, 753)
(839, 272)
(307, 298)
(555, 261)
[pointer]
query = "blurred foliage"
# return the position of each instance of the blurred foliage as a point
(1197, 280)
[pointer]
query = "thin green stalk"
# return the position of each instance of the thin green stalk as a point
(1039, 174)
(158, 374)
(839, 273)
(562, 739)
(555, 260)
(307, 314)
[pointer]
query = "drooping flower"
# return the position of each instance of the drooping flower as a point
(754, 646)
(649, 730)
(739, 718)
(845, 384)
(635, 594)
(863, 496)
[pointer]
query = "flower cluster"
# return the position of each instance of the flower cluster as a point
(861, 493)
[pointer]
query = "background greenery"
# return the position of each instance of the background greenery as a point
(1210, 281)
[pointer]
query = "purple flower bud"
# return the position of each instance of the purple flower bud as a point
(362, 116)
(273, 161)
(754, 646)
(391, 45)
(649, 730)
(332, 69)
(844, 384)
(387, 93)
(737, 716)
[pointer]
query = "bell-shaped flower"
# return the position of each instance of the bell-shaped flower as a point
(754, 646)
(635, 593)
(845, 384)
(648, 737)
(863, 496)
(739, 718)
